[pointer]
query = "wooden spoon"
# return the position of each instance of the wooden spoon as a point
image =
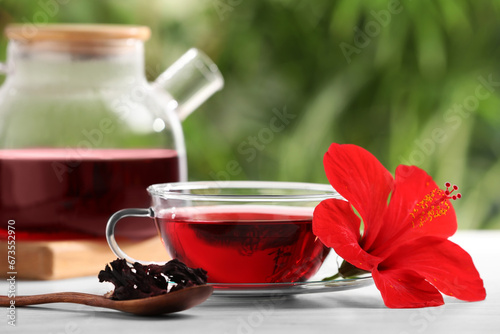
(168, 303)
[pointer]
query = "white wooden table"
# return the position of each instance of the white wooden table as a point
(352, 311)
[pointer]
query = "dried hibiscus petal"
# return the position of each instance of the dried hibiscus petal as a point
(140, 281)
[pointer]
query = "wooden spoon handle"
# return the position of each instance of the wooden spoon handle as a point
(58, 297)
(175, 301)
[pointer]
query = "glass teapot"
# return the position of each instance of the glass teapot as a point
(82, 132)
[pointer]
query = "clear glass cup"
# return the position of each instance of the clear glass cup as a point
(238, 231)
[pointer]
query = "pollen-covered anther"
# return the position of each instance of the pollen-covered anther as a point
(433, 205)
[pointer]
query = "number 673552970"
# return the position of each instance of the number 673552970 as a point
(11, 242)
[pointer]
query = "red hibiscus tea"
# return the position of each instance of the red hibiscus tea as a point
(50, 192)
(244, 244)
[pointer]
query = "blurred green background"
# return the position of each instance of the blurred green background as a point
(414, 82)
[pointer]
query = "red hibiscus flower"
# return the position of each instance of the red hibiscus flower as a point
(406, 224)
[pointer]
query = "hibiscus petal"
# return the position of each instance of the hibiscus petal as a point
(362, 180)
(443, 263)
(411, 185)
(405, 289)
(337, 226)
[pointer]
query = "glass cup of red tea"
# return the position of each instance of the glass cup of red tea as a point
(238, 231)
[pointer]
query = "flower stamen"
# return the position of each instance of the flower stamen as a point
(433, 205)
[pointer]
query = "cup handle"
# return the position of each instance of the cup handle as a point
(110, 231)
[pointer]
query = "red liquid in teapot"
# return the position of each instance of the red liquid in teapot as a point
(238, 245)
(65, 192)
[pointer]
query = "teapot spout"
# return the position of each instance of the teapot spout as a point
(190, 81)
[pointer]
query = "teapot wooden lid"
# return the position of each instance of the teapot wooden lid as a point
(76, 32)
